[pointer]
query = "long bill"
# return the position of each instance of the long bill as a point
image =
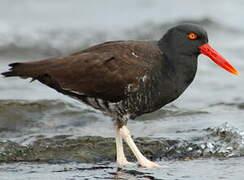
(207, 50)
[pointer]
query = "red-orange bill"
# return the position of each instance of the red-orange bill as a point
(207, 50)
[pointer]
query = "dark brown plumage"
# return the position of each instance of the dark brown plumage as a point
(126, 79)
(101, 71)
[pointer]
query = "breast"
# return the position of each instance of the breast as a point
(160, 86)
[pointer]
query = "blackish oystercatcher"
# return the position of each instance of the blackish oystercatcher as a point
(126, 79)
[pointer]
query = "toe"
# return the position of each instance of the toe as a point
(149, 164)
(125, 163)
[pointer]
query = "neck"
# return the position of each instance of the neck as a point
(182, 66)
(186, 68)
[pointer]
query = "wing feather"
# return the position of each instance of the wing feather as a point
(103, 71)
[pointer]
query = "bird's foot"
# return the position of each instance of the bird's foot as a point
(124, 163)
(148, 164)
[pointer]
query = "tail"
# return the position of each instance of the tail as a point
(17, 69)
(13, 71)
(23, 70)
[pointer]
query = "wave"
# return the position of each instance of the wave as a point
(42, 42)
(224, 141)
(29, 133)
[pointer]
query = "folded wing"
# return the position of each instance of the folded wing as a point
(103, 71)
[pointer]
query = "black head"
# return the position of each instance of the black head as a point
(187, 41)
(184, 39)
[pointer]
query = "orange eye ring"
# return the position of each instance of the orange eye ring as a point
(192, 36)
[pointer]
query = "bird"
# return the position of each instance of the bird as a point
(128, 78)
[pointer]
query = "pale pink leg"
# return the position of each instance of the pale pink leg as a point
(142, 160)
(121, 159)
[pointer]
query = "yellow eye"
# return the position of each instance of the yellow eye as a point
(192, 36)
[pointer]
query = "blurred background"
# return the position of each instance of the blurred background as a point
(33, 30)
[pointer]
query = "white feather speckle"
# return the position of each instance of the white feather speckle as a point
(144, 78)
(134, 54)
